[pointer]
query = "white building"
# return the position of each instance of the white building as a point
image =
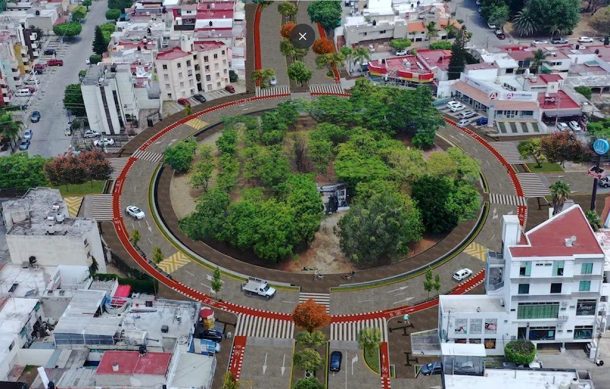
(192, 68)
(41, 232)
(545, 287)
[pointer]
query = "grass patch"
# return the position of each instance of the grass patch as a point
(547, 167)
(371, 357)
(85, 188)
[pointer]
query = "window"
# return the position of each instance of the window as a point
(188, 62)
(584, 286)
(474, 341)
(490, 344)
(585, 307)
(166, 77)
(542, 333)
(476, 326)
(461, 325)
(164, 67)
(167, 86)
(524, 288)
(583, 332)
(180, 75)
(538, 311)
(179, 65)
(223, 52)
(556, 287)
(558, 268)
(195, 57)
(525, 269)
(205, 58)
(207, 68)
(208, 78)
(586, 268)
(182, 84)
(491, 326)
(215, 56)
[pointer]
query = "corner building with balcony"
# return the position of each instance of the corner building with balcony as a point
(545, 286)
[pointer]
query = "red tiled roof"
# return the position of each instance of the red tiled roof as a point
(215, 14)
(559, 100)
(434, 58)
(207, 45)
(215, 5)
(416, 27)
(548, 239)
(131, 362)
(173, 53)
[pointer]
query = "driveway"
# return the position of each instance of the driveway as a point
(49, 139)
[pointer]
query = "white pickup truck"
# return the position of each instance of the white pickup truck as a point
(255, 286)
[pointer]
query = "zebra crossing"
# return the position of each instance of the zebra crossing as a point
(262, 327)
(148, 156)
(348, 331)
(325, 88)
(505, 199)
(98, 207)
(533, 185)
(272, 91)
(117, 166)
(509, 151)
(320, 298)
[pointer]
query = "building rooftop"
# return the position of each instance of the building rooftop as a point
(470, 303)
(14, 313)
(556, 101)
(434, 58)
(544, 79)
(522, 379)
(207, 45)
(17, 281)
(171, 54)
(464, 350)
(565, 234)
(132, 363)
(83, 315)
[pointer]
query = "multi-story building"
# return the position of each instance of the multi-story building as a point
(545, 286)
(192, 68)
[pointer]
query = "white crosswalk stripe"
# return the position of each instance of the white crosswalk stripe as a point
(98, 207)
(348, 331)
(325, 88)
(117, 165)
(272, 90)
(498, 198)
(509, 151)
(148, 156)
(320, 298)
(262, 327)
(532, 184)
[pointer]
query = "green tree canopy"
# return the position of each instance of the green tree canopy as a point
(208, 220)
(287, 8)
(325, 12)
(68, 30)
(308, 383)
(550, 16)
(521, 352)
(79, 13)
(119, 4)
(441, 45)
(180, 155)
(457, 63)
(113, 14)
(400, 43)
(369, 337)
(305, 202)
(307, 359)
(436, 198)
(73, 100)
(600, 21)
(299, 72)
(99, 43)
(20, 171)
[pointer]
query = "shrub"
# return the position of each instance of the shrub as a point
(322, 46)
(287, 28)
(521, 352)
(113, 14)
(585, 91)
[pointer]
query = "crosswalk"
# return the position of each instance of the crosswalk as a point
(533, 185)
(272, 90)
(196, 123)
(509, 151)
(348, 331)
(117, 166)
(320, 298)
(505, 199)
(262, 327)
(98, 207)
(325, 88)
(148, 156)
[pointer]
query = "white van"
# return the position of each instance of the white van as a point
(25, 92)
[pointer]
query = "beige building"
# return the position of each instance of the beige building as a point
(192, 68)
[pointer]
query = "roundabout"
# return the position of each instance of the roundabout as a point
(186, 272)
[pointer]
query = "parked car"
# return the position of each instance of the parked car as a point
(200, 98)
(103, 142)
(230, 88)
(24, 145)
(559, 41)
(453, 103)
(49, 52)
(135, 212)
(184, 101)
(214, 335)
(561, 126)
(55, 62)
(257, 287)
(457, 108)
(31, 81)
(39, 68)
(539, 42)
(273, 81)
(462, 274)
(500, 34)
(91, 134)
(463, 123)
(467, 114)
(604, 182)
(35, 117)
(27, 134)
(335, 361)
(585, 39)
(23, 92)
(401, 52)
(431, 368)
(492, 26)
(574, 126)
(482, 121)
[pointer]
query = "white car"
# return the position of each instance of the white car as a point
(585, 39)
(468, 114)
(135, 212)
(463, 123)
(492, 26)
(401, 52)
(539, 42)
(574, 126)
(103, 142)
(462, 274)
(273, 81)
(91, 134)
(453, 103)
(457, 108)
(561, 126)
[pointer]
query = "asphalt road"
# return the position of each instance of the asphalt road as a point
(482, 36)
(49, 139)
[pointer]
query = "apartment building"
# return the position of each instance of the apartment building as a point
(545, 286)
(192, 68)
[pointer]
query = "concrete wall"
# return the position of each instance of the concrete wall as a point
(36, 357)
(94, 105)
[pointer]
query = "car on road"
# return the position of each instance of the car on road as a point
(559, 41)
(49, 52)
(500, 34)
(585, 39)
(492, 26)
(462, 274)
(604, 182)
(24, 145)
(335, 361)
(184, 101)
(55, 62)
(431, 368)
(91, 134)
(214, 335)
(539, 42)
(463, 123)
(35, 117)
(230, 88)
(27, 134)
(135, 212)
(467, 114)
(574, 126)
(200, 98)
(273, 81)
(103, 142)
(561, 126)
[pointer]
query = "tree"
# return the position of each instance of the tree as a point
(313, 339)
(330, 60)
(73, 100)
(600, 21)
(524, 23)
(563, 146)
(287, 49)
(437, 283)
(287, 28)
(594, 220)
(308, 383)
(203, 169)
(157, 255)
(457, 63)
(433, 195)
(431, 30)
(113, 14)
(600, 128)
(498, 14)
(299, 72)
(429, 281)
(531, 148)
(323, 46)
(65, 169)
(86, 3)
(68, 30)
(400, 44)
(263, 76)
(408, 164)
(208, 220)
(307, 359)
(380, 228)
(521, 351)
(310, 315)
(326, 12)
(585, 91)
(79, 13)
(440, 45)
(369, 337)
(107, 30)
(216, 283)
(229, 381)
(10, 128)
(560, 191)
(548, 17)
(99, 43)
(287, 9)
(119, 4)
(304, 200)
(20, 171)
(360, 54)
(134, 238)
(180, 155)
(94, 59)
(537, 60)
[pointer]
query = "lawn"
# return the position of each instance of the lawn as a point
(371, 357)
(89, 187)
(547, 167)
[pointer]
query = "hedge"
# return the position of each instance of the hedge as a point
(521, 352)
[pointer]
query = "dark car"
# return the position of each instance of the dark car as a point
(431, 368)
(199, 98)
(55, 62)
(230, 88)
(39, 68)
(482, 121)
(24, 145)
(335, 361)
(184, 101)
(35, 117)
(500, 34)
(214, 335)
(49, 52)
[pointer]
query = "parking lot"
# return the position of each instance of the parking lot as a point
(267, 363)
(354, 372)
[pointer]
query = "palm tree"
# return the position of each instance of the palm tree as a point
(9, 128)
(330, 60)
(288, 50)
(431, 30)
(360, 54)
(560, 191)
(524, 23)
(263, 76)
(537, 60)
(347, 54)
